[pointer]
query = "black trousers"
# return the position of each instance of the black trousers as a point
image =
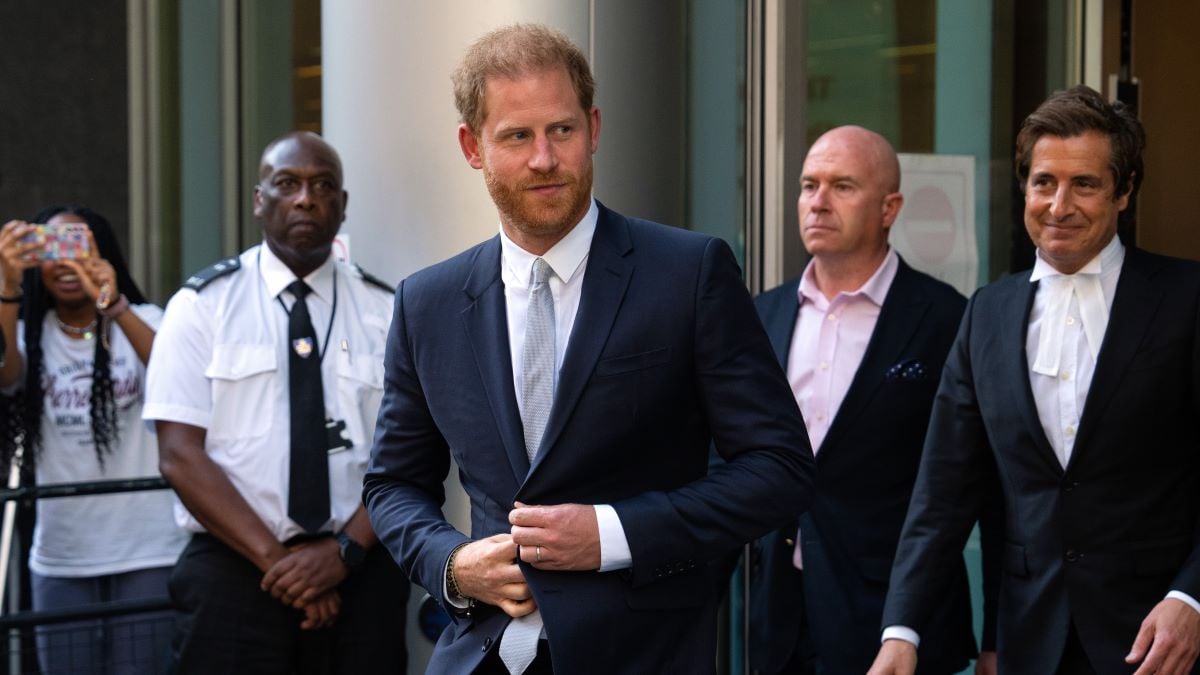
(804, 658)
(1075, 660)
(228, 625)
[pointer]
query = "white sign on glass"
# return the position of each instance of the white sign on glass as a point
(935, 231)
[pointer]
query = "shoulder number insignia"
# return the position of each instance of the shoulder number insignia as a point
(214, 271)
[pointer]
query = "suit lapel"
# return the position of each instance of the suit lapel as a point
(486, 322)
(1013, 318)
(781, 322)
(1134, 305)
(901, 314)
(604, 282)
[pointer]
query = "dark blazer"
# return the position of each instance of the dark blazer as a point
(666, 353)
(1100, 542)
(866, 467)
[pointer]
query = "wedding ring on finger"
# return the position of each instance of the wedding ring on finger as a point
(538, 553)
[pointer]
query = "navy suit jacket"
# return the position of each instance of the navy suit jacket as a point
(1102, 541)
(866, 467)
(666, 353)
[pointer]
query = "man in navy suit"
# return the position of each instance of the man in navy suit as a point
(1078, 384)
(863, 337)
(576, 368)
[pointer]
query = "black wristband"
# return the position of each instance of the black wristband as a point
(351, 552)
(11, 299)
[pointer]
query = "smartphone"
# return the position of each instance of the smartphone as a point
(60, 241)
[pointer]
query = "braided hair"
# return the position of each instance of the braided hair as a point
(24, 411)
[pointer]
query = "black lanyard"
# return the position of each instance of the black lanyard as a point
(332, 313)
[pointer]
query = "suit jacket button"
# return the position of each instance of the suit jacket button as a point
(487, 643)
(1073, 555)
(789, 541)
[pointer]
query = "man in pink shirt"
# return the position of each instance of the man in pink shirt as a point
(863, 337)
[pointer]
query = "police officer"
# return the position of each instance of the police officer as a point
(264, 385)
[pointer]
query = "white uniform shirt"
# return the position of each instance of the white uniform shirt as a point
(220, 362)
(99, 534)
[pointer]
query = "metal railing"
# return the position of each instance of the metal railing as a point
(63, 626)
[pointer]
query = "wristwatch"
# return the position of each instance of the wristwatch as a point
(351, 552)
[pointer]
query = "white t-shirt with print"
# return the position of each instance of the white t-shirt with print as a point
(98, 534)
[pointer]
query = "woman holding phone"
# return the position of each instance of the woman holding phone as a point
(79, 333)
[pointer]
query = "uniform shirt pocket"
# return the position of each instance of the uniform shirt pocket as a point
(243, 390)
(359, 392)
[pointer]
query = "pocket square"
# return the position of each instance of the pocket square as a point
(906, 370)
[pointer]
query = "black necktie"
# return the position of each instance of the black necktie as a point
(308, 491)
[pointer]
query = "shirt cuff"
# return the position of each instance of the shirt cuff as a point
(1185, 598)
(614, 547)
(901, 633)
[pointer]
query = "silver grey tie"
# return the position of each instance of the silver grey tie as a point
(518, 647)
(537, 390)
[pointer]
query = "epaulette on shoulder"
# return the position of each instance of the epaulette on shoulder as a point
(374, 280)
(214, 271)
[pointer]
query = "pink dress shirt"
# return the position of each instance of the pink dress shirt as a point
(828, 344)
(829, 341)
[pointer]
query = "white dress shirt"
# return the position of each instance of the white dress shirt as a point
(568, 260)
(1061, 377)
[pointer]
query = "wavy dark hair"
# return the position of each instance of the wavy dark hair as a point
(1077, 111)
(24, 411)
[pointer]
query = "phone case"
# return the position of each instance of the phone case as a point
(61, 241)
